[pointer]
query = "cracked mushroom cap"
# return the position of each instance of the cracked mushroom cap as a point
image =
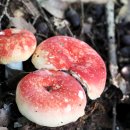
(50, 98)
(67, 53)
(16, 45)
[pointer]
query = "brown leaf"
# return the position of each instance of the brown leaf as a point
(124, 13)
(21, 23)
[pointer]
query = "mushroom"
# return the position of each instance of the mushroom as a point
(50, 98)
(67, 53)
(16, 46)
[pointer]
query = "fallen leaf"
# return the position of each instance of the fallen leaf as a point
(124, 13)
(21, 23)
(54, 7)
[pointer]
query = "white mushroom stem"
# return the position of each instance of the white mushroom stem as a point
(14, 65)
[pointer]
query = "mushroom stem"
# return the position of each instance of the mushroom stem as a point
(14, 65)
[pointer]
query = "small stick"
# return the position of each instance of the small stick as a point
(4, 11)
(113, 67)
(111, 41)
(82, 13)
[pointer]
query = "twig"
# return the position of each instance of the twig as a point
(4, 12)
(113, 67)
(70, 32)
(111, 41)
(31, 9)
(82, 13)
(82, 18)
(41, 35)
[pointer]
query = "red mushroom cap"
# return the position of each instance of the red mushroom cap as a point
(67, 53)
(16, 45)
(50, 98)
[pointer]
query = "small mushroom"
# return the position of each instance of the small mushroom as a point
(16, 46)
(67, 53)
(50, 98)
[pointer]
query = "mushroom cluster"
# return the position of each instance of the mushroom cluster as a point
(51, 96)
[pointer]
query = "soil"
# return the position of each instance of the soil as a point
(101, 114)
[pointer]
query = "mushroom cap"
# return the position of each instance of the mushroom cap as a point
(16, 45)
(50, 98)
(67, 53)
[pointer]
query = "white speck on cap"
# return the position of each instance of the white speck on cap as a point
(66, 100)
(68, 108)
(25, 48)
(2, 33)
(80, 94)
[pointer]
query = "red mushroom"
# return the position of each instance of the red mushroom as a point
(16, 46)
(67, 53)
(50, 98)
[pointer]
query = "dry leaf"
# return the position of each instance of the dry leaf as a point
(124, 13)
(54, 7)
(21, 23)
(122, 84)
